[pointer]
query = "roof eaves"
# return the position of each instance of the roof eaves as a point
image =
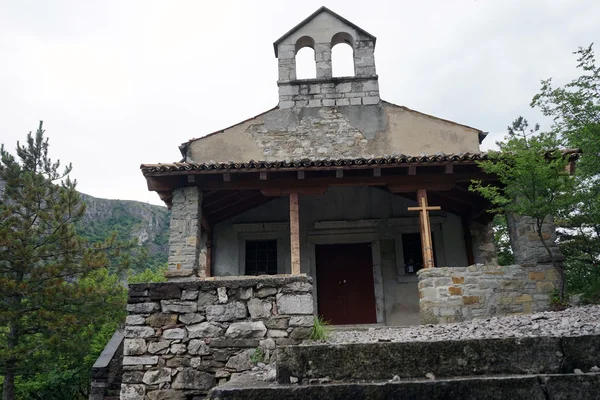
(313, 15)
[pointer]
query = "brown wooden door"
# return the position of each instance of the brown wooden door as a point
(345, 287)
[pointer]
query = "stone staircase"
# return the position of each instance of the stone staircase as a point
(509, 368)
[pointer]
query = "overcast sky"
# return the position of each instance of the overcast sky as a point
(120, 83)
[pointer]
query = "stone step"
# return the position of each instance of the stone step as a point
(516, 387)
(452, 358)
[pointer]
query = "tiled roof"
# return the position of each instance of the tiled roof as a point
(149, 169)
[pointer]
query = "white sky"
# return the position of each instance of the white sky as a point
(121, 82)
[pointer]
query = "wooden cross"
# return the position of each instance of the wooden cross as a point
(426, 242)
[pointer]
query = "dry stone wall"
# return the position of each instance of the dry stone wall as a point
(183, 338)
(480, 291)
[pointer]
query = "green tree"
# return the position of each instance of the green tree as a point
(533, 181)
(575, 109)
(46, 269)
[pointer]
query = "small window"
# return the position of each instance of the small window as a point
(261, 257)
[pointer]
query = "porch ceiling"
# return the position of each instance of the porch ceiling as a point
(228, 192)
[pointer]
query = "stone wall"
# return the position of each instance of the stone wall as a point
(187, 253)
(348, 91)
(183, 338)
(461, 294)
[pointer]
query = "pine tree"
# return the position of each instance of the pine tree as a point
(45, 267)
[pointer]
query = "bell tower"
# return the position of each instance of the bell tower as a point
(321, 31)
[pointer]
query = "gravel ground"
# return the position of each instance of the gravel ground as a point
(575, 321)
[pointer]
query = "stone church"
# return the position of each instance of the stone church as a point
(336, 183)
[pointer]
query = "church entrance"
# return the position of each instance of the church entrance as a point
(345, 286)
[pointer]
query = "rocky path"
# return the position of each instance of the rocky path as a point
(574, 321)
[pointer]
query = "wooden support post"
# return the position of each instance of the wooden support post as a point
(295, 233)
(426, 242)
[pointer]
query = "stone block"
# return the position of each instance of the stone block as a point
(204, 330)
(198, 347)
(178, 306)
(342, 102)
(134, 347)
(545, 287)
(467, 300)
(192, 318)
(166, 394)
(370, 100)
(157, 347)
(132, 392)
(328, 102)
(265, 292)
(161, 319)
(206, 299)
(428, 293)
(176, 333)
(277, 333)
(189, 295)
(244, 293)
(297, 287)
(259, 308)
(300, 333)
(241, 362)
(178, 348)
(280, 322)
(132, 377)
(455, 291)
(295, 304)
(222, 295)
(138, 332)
(142, 308)
(356, 101)
(246, 330)
(537, 275)
(146, 360)
(234, 343)
(226, 312)
(189, 378)
(135, 320)
(164, 291)
(156, 376)
(314, 103)
(524, 298)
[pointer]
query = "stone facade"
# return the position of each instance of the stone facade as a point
(183, 338)
(187, 255)
(482, 291)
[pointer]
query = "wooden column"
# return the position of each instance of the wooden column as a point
(426, 242)
(295, 233)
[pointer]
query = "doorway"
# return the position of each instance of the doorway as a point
(345, 286)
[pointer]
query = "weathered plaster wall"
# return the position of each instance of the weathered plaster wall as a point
(334, 132)
(346, 215)
(461, 294)
(182, 338)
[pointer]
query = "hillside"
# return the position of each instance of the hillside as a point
(147, 223)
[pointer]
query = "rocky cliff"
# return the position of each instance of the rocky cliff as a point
(147, 223)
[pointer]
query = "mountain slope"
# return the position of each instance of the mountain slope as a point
(147, 223)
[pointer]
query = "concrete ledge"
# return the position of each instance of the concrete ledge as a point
(530, 387)
(234, 282)
(380, 361)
